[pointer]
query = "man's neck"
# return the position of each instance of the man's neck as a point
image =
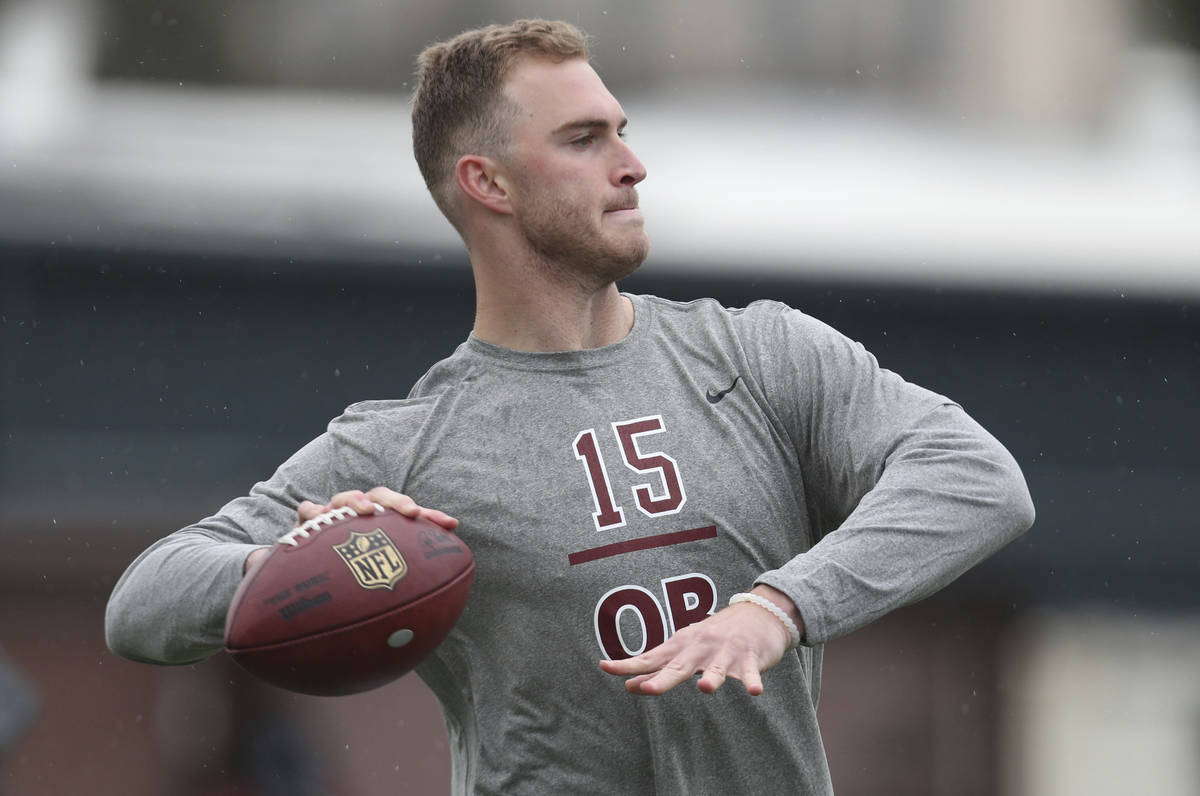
(526, 308)
(541, 322)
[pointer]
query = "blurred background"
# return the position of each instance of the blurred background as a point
(213, 238)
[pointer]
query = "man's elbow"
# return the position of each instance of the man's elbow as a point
(122, 635)
(1014, 504)
(142, 640)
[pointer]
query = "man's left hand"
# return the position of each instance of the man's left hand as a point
(741, 641)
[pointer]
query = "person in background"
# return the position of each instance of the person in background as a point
(18, 706)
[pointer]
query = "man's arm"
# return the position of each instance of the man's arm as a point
(170, 604)
(949, 497)
(169, 607)
(905, 493)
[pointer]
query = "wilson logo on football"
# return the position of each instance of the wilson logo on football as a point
(373, 559)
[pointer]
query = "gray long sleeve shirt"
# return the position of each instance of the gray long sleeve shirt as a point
(611, 497)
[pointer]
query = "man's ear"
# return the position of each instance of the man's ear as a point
(481, 179)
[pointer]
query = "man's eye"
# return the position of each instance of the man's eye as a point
(583, 141)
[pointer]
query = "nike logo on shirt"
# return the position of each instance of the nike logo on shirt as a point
(714, 397)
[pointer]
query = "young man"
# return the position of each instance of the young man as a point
(621, 466)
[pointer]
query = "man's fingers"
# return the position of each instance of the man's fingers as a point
(307, 510)
(641, 664)
(654, 672)
(366, 503)
(355, 499)
(752, 679)
(409, 507)
(716, 674)
(634, 684)
(391, 499)
(666, 678)
(750, 675)
(722, 668)
(735, 643)
(712, 679)
(440, 518)
(651, 678)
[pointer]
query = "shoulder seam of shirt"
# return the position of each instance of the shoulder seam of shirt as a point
(376, 405)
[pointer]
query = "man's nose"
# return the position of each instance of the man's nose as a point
(631, 171)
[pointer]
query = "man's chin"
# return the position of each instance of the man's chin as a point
(633, 244)
(611, 257)
(630, 260)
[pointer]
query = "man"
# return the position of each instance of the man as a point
(621, 466)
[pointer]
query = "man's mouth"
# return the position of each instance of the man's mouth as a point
(630, 213)
(626, 203)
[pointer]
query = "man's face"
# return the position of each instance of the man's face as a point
(573, 175)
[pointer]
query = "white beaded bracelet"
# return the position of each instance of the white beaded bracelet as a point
(763, 602)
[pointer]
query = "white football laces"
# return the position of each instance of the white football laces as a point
(328, 518)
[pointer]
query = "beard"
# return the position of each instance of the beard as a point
(570, 244)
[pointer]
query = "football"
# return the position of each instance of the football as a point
(345, 603)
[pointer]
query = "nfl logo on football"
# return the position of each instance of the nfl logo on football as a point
(373, 559)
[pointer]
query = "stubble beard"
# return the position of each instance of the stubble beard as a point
(568, 245)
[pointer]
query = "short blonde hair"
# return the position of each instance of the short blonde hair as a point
(458, 105)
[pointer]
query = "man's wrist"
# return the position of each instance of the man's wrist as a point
(784, 603)
(252, 559)
(785, 621)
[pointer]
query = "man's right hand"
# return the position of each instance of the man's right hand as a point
(363, 503)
